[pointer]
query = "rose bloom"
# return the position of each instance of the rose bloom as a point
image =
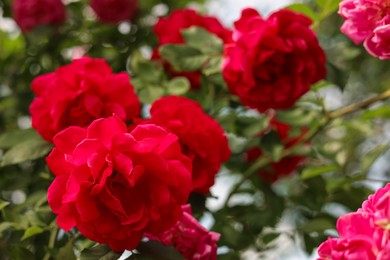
(29, 14)
(189, 238)
(78, 93)
(378, 44)
(368, 21)
(168, 31)
(272, 62)
(364, 234)
(201, 137)
(114, 185)
(114, 11)
(287, 165)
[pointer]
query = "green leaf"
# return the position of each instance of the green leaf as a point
(156, 250)
(313, 172)
(319, 224)
(303, 9)
(13, 138)
(369, 158)
(101, 252)
(3, 204)
(150, 93)
(214, 66)
(271, 144)
(378, 112)
(178, 86)
(182, 57)
(149, 72)
(32, 231)
(202, 40)
(26, 151)
(66, 252)
(328, 6)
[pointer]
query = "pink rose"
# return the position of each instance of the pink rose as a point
(29, 14)
(78, 93)
(361, 18)
(272, 63)
(114, 185)
(192, 240)
(114, 11)
(201, 137)
(368, 21)
(378, 44)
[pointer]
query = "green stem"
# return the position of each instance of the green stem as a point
(52, 241)
(329, 117)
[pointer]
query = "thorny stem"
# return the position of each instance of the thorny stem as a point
(329, 116)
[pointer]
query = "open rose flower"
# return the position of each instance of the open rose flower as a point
(368, 21)
(201, 137)
(364, 234)
(114, 185)
(287, 165)
(189, 238)
(114, 11)
(168, 31)
(272, 62)
(78, 93)
(29, 14)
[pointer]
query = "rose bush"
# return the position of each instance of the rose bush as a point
(272, 63)
(168, 31)
(114, 11)
(201, 137)
(192, 240)
(114, 185)
(368, 21)
(33, 13)
(78, 93)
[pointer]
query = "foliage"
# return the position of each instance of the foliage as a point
(343, 147)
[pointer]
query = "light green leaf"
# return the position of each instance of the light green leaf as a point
(202, 40)
(378, 112)
(32, 231)
(314, 172)
(150, 93)
(303, 9)
(26, 151)
(182, 57)
(13, 138)
(178, 86)
(328, 6)
(214, 66)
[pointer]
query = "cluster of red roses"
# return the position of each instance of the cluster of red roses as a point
(116, 182)
(32, 13)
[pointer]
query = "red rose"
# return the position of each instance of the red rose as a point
(114, 11)
(287, 165)
(114, 185)
(272, 62)
(78, 93)
(201, 137)
(168, 31)
(29, 14)
(191, 239)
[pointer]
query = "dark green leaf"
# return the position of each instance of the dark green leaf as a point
(271, 144)
(100, 252)
(3, 204)
(156, 250)
(66, 252)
